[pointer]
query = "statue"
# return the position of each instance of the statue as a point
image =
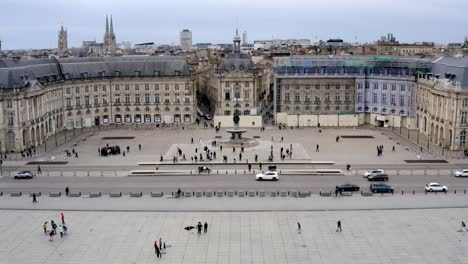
(236, 118)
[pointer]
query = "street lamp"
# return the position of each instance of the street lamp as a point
(298, 120)
(45, 144)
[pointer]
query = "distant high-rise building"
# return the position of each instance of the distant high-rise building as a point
(244, 38)
(186, 39)
(62, 41)
(110, 43)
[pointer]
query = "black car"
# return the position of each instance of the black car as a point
(203, 169)
(347, 188)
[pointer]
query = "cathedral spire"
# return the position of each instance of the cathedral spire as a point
(111, 26)
(107, 25)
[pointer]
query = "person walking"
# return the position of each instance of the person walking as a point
(317, 148)
(393, 149)
(205, 228)
(63, 218)
(67, 190)
(157, 251)
(34, 198)
(348, 167)
(338, 226)
(463, 226)
(44, 226)
(39, 171)
(51, 235)
(139, 147)
(298, 227)
(199, 228)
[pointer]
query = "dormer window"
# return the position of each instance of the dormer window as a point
(66, 76)
(241, 67)
(177, 73)
(117, 73)
(157, 73)
(102, 74)
(137, 73)
(233, 67)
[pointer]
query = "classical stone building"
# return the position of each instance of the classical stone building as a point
(442, 99)
(41, 97)
(380, 90)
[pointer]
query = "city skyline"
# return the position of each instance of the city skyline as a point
(145, 21)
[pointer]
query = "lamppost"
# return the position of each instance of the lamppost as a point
(393, 122)
(408, 130)
(298, 120)
(45, 144)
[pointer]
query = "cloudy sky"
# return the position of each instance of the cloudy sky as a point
(34, 23)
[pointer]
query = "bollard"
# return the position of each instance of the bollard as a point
(217, 171)
(454, 191)
(402, 192)
(235, 171)
(244, 171)
(226, 171)
(88, 173)
(190, 172)
(413, 192)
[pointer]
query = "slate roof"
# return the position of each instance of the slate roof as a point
(236, 62)
(20, 72)
(452, 66)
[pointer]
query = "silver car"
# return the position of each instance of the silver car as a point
(24, 175)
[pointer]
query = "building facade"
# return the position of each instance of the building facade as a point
(442, 100)
(41, 97)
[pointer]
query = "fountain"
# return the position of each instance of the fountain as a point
(236, 138)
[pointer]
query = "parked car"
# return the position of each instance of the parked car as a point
(204, 169)
(208, 117)
(381, 188)
(24, 175)
(378, 177)
(372, 172)
(461, 173)
(268, 175)
(435, 187)
(347, 187)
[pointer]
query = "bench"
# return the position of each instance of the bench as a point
(16, 194)
(157, 194)
(294, 193)
(273, 194)
(209, 193)
(367, 194)
(136, 194)
(187, 194)
(115, 194)
(219, 193)
(251, 193)
(143, 172)
(198, 194)
(346, 193)
(305, 194)
(261, 193)
(241, 193)
(37, 194)
(55, 194)
(283, 193)
(230, 193)
(74, 194)
(94, 194)
(326, 193)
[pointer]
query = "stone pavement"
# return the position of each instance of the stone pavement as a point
(374, 236)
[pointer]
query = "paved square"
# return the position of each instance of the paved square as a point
(380, 236)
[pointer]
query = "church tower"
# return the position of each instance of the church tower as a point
(62, 41)
(237, 41)
(110, 44)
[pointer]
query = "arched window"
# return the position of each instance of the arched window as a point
(462, 138)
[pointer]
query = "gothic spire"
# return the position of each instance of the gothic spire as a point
(107, 25)
(111, 27)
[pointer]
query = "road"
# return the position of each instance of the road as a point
(148, 184)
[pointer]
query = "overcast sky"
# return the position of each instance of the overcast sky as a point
(35, 23)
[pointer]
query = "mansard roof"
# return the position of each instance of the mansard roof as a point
(236, 62)
(21, 72)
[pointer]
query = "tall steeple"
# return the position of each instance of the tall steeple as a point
(237, 41)
(110, 44)
(111, 27)
(62, 41)
(107, 27)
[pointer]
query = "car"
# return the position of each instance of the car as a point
(268, 175)
(435, 187)
(461, 173)
(381, 188)
(372, 172)
(204, 169)
(24, 175)
(208, 117)
(347, 187)
(378, 177)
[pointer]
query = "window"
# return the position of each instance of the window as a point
(327, 97)
(393, 100)
(146, 87)
(77, 90)
(347, 97)
(147, 98)
(127, 87)
(247, 94)
(317, 86)
(104, 100)
(384, 99)
(9, 103)
(117, 87)
(226, 84)
(359, 97)
(384, 86)
(402, 88)
(187, 87)
(187, 99)
(297, 86)
(402, 100)
(307, 86)
(464, 117)
(137, 87)
(286, 86)
(465, 102)
(307, 97)
(393, 87)
(359, 85)
(347, 86)
(317, 98)
(462, 138)
(176, 87)
(156, 87)
(87, 100)
(104, 88)
(337, 86)
(227, 96)
(166, 87)
(78, 101)
(297, 97)
(247, 84)
(68, 102)
(367, 85)
(117, 98)
(137, 98)
(127, 98)
(237, 93)
(11, 116)
(166, 98)
(287, 97)
(177, 98)
(327, 86)
(375, 99)
(337, 97)
(156, 98)
(68, 90)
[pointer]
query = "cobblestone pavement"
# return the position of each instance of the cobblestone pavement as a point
(375, 236)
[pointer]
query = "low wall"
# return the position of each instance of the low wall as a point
(245, 121)
(314, 120)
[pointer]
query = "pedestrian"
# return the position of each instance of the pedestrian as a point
(156, 248)
(34, 198)
(282, 139)
(317, 148)
(39, 171)
(199, 228)
(51, 234)
(256, 158)
(44, 226)
(65, 229)
(221, 148)
(205, 228)
(260, 165)
(61, 232)
(63, 218)
(250, 167)
(240, 156)
(67, 190)
(139, 147)
(463, 225)
(348, 167)
(393, 149)
(338, 226)
(298, 227)
(76, 154)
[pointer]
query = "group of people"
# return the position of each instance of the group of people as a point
(109, 150)
(28, 152)
(159, 247)
(62, 229)
(70, 154)
(380, 150)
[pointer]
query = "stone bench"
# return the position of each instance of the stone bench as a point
(37, 194)
(367, 194)
(157, 194)
(55, 194)
(219, 193)
(241, 193)
(115, 194)
(261, 193)
(283, 193)
(209, 193)
(198, 194)
(346, 193)
(74, 194)
(273, 194)
(325, 193)
(94, 194)
(305, 194)
(230, 193)
(136, 194)
(187, 194)
(251, 193)
(16, 194)
(294, 193)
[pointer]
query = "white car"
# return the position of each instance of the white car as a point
(373, 172)
(208, 117)
(269, 175)
(435, 187)
(461, 173)
(24, 175)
